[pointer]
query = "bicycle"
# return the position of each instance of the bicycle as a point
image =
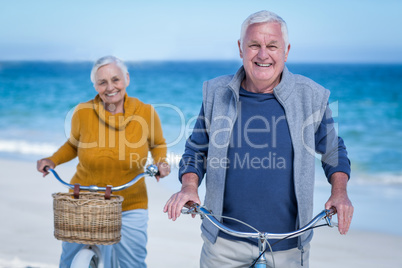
(91, 255)
(261, 262)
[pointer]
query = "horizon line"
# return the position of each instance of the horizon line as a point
(198, 60)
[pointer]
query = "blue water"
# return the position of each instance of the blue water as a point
(36, 98)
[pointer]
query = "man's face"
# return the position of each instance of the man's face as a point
(263, 54)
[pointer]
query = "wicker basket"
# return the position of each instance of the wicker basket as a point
(88, 220)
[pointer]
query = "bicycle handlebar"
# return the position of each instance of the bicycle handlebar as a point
(194, 208)
(151, 170)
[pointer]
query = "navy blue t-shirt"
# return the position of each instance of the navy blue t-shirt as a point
(259, 186)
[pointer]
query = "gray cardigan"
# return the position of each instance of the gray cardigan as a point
(305, 103)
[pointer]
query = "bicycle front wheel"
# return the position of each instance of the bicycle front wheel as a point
(87, 257)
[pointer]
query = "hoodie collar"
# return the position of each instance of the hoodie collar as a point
(281, 90)
(235, 83)
(286, 86)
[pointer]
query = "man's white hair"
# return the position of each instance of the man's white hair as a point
(264, 16)
(108, 60)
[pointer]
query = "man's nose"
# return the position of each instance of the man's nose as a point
(263, 53)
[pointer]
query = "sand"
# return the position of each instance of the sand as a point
(26, 231)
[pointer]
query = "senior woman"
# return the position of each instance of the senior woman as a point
(111, 135)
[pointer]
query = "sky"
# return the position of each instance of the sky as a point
(81, 30)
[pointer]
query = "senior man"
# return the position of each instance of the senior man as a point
(256, 139)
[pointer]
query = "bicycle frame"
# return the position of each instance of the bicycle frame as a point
(194, 208)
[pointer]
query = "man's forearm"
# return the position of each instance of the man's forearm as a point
(189, 180)
(339, 181)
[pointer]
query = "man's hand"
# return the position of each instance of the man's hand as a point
(340, 200)
(188, 192)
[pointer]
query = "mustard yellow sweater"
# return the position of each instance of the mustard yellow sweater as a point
(113, 149)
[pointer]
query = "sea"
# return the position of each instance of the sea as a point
(37, 99)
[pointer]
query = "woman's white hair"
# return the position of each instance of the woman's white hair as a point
(108, 60)
(265, 16)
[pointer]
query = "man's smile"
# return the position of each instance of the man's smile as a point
(263, 64)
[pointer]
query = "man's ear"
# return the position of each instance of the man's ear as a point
(240, 51)
(287, 53)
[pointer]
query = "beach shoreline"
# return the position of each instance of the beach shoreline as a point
(27, 227)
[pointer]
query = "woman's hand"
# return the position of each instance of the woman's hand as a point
(41, 164)
(164, 170)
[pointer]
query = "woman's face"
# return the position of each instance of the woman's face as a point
(111, 83)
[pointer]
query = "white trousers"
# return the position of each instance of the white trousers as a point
(130, 251)
(232, 253)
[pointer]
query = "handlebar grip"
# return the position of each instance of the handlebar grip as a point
(190, 204)
(46, 168)
(332, 211)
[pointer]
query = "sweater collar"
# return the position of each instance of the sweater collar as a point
(117, 121)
